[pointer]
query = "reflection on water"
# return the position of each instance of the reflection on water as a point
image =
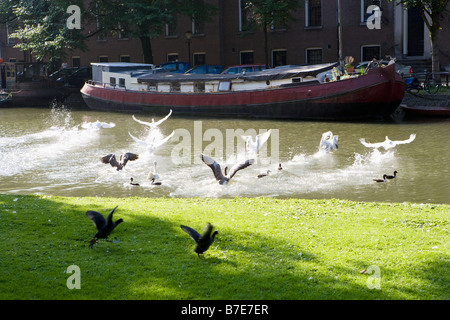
(47, 151)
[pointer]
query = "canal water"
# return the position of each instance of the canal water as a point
(49, 151)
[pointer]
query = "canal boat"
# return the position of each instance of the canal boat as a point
(429, 111)
(312, 92)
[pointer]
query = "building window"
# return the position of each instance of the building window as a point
(123, 33)
(245, 16)
(369, 53)
(313, 13)
(9, 30)
(101, 35)
(247, 57)
(76, 62)
(364, 5)
(172, 57)
(199, 58)
(125, 58)
(279, 58)
(198, 28)
(171, 28)
(103, 59)
(313, 56)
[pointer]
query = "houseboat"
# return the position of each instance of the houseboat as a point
(314, 92)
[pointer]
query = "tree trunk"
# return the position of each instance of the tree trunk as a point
(435, 65)
(147, 49)
(266, 46)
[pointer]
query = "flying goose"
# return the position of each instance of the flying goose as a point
(392, 177)
(328, 142)
(253, 146)
(154, 124)
(204, 240)
(387, 144)
(153, 144)
(381, 180)
(124, 158)
(215, 167)
(104, 227)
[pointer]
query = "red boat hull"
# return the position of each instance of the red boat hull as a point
(375, 95)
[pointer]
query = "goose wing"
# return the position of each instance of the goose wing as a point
(411, 139)
(128, 157)
(206, 232)
(371, 145)
(159, 143)
(215, 167)
(191, 232)
(111, 159)
(109, 218)
(139, 141)
(106, 158)
(240, 166)
(142, 122)
(98, 220)
(157, 123)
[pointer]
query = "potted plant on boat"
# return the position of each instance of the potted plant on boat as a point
(348, 64)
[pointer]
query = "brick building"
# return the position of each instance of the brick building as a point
(312, 38)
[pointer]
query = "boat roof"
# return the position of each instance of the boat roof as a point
(121, 64)
(264, 75)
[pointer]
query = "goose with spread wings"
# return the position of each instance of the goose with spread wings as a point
(253, 146)
(328, 142)
(203, 240)
(225, 177)
(154, 143)
(123, 159)
(387, 144)
(104, 227)
(154, 124)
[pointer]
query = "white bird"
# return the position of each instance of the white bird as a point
(153, 175)
(253, 146)
(154, 144)
(154, 124)
(328, 142)
(97, 125)
(226, 177)
(387, 144)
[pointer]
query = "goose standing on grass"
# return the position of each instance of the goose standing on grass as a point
(124, 158)
(226, 177)
(204, 240)
(392, 177)
(104, 227)
(253, 146)
(154, 144)
(387, 144)
(328, 142)
(154, 124)
(381, 180)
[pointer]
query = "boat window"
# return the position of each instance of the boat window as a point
(175, 87)
(122, 82)
(199, 87)
(224, 86)
(112, 81)
(296, 80)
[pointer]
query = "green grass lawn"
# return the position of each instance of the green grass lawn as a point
(266, 249)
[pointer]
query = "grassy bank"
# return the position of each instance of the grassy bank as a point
(265, 249)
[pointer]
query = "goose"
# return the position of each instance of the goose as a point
(204, 240)
(155, 183)
(124, 158)
(392, 177)
(381, 180)
(387, 144)
(104, 227)
(328, 142)
(154, 124)
(133, 183)
(262, 175)
(97, 125)
(215, 167)
(153, 175)
(280, 167)
(253, 146)
(153, 144)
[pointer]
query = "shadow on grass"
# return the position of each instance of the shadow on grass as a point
(150, 257)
